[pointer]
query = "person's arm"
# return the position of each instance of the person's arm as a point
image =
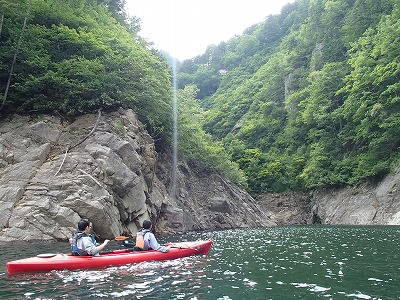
(101, 246)
(155, 245)
(91, 248)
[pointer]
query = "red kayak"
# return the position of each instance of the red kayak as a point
(49, 262)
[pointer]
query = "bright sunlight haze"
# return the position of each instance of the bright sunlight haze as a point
(184, 28)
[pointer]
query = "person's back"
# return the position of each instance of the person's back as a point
(145, 239)
(75, 250)
(141, 236)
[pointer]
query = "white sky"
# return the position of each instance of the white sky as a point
(184, 28)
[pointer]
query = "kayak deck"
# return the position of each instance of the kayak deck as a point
(49, 262)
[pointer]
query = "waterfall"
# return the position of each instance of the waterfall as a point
(175, 132)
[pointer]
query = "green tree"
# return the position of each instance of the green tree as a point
(195, 145)
(75, 58)
(319, 107)
(372, 108)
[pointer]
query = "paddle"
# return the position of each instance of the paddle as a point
(49, 255)
(182, 247)
(121, 238)
(131, 243)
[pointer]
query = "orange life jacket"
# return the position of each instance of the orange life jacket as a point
(140, 240)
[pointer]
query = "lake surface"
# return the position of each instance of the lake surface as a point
(305, 262)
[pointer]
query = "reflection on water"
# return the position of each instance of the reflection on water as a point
(271, 263)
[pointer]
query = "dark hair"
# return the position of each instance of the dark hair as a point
(82, 224)
(146, 224)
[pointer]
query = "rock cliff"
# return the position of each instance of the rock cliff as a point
(104, 167)
(370, 203)
(291, 208)
(373, 203)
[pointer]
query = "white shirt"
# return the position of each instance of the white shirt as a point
(150, 242)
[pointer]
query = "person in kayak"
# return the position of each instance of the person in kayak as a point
(145, 239)
(83, 243)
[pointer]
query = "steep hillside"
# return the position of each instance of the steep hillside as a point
(309, 98)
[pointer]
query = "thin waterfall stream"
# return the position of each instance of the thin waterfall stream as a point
(175, 131)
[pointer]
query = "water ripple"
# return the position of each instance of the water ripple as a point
(271, 263)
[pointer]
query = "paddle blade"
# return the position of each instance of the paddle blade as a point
(129, 244)
(121, 238)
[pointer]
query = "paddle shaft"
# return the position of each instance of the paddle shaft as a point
(124, 238)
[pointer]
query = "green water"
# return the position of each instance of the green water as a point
(313, 262)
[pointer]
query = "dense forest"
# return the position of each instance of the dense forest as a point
(309, 98)
(76, 56)
(70, 57)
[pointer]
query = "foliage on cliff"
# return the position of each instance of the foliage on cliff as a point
(76, 56)
(73, 57)
(308, 98)
(197, 146)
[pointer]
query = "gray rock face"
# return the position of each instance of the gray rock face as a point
(54, 173)
(291, 208)
(207, 201)
(366, 204)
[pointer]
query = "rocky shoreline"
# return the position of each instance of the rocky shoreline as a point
(105, 167)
